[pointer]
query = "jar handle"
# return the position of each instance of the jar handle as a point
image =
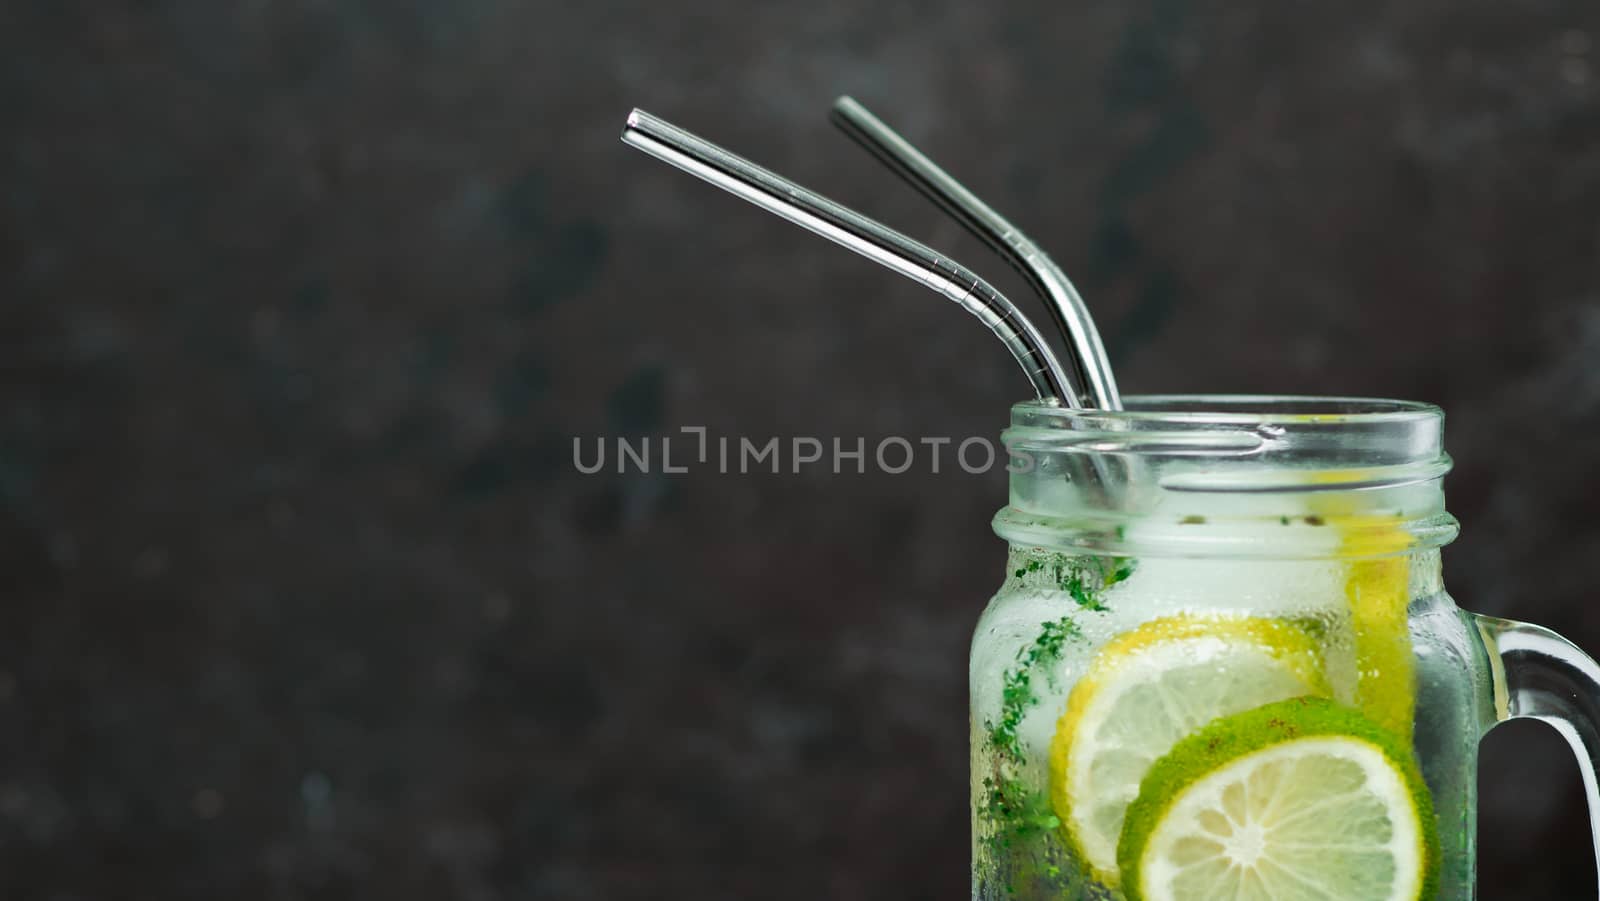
(1540, 675)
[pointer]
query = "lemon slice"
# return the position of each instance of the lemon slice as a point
(1302, 800)
(1146, 690)
(1379, 590)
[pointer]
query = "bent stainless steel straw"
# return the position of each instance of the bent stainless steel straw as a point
(871, 239)
(1091, 367)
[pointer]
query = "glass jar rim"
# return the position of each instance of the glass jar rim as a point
(1244, 409)
(1219, 475)
(1246, 434)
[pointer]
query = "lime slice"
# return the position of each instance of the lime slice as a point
(1147, 689)
(1301, 800)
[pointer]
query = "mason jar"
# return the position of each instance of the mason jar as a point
(1222, 663)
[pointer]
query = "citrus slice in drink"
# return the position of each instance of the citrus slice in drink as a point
(1147, 689)
(1379, 589)
(1301, 800)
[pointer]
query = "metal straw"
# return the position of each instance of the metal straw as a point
(1088, 355)
(871, 239)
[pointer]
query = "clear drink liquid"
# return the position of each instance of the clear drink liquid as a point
(1055, 614)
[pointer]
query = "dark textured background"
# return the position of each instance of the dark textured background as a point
(304, 301)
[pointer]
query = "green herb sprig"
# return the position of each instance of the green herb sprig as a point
(1017, 812)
